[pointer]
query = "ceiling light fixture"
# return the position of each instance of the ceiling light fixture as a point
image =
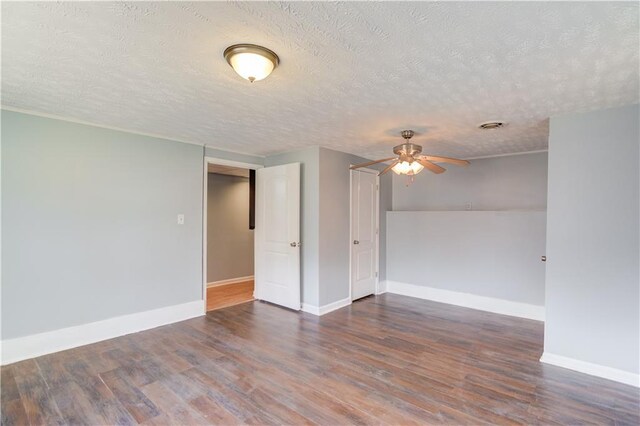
(407, 168)
(250, 61)
(410, 161)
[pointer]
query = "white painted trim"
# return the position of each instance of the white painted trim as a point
(366, 170)
(171, 138)
(231, 163)
(538, 151)
(205, 205)
(467, 300)
(370, 171)
(377, 233)
(233, 151)
(597, 370)
(310, 309)
(230, 281)
(335, 306)
(321, 310)
(21, 348)
(382, 287)
(205, 193)
(119, 129)
(92, 124)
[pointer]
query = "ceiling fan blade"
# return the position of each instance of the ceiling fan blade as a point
(357, 166)
(389, 167)
(437, 159)
(429, 165)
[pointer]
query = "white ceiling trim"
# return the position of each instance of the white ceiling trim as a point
(231, 163)
(89, 123)
(118, 129)
(538, 151)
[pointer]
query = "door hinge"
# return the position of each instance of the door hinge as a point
(376, 274)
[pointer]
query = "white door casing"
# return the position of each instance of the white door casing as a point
(277, 235)
(222, 162)
(364, 233)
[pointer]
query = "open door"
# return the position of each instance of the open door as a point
(277, 235)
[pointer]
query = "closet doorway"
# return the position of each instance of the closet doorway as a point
(229, 222)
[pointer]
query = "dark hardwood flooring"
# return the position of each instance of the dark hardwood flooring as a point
(383, 360)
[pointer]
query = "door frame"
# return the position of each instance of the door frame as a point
(377, 244)
(205, 193)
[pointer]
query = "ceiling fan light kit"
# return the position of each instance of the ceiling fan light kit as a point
(406, 168)
(410, 161)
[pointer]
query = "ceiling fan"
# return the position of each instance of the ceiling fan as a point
(410, 161)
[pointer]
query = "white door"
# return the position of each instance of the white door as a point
(277, 235)
(364, 229)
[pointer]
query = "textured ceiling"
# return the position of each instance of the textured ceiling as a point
(352, 74)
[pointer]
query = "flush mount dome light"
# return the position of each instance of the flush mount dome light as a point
(250, 61)
(487, 125)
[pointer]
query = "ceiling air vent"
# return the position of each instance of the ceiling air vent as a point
(492, 125)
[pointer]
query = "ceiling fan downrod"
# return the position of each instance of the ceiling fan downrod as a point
(407, 150)
(407, 134)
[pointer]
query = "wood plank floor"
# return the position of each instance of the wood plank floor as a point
(223, 296)
(384, 360)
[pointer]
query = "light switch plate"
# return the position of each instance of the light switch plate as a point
(180, 219)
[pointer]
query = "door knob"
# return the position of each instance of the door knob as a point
(294, 244)
(543, 258)
(356, 242)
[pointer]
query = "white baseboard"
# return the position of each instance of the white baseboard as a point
(489, 304)
(382, 287)
(592, 369)
(21, 348)
(310, 309)
(230, 281)
(321, 310)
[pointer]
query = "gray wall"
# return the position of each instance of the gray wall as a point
(335, 239)
(517, 182)
(386, 205)
(309, 160)
(89, 221)
(325, 221)
(334, 226)
(95, 210)
(592, 291)
(229, 239)
(486, 253)
(493, 251)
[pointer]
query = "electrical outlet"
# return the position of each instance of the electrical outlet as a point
(468, 205)
(180, 219)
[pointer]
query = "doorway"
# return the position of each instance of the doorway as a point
(228, 241)
(275, 212)
(365, 192)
